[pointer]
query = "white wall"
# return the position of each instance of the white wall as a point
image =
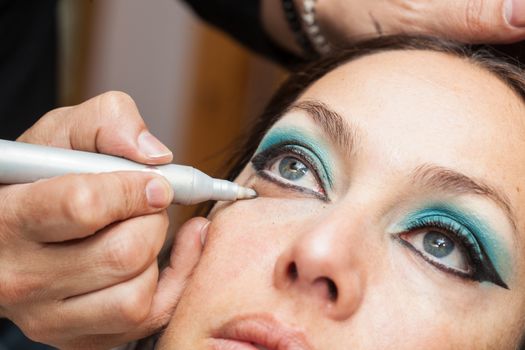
(145, 49)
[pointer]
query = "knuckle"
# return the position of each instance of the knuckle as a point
(82, 202)
(115, 101)
(125, 254)
(134, 307)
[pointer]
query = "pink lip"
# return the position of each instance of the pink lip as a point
(245, 332)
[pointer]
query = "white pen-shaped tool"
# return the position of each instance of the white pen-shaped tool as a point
(23, 163)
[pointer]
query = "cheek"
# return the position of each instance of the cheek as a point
(246, 238)
(257, 228)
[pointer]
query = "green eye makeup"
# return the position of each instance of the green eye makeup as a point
(301, 161)
(447, 230)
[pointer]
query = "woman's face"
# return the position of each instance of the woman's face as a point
(390, 216)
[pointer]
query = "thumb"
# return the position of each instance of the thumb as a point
(476, 21)
(184, 257)
(108, 123)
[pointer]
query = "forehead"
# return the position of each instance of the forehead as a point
(422, 87)
(413, 107)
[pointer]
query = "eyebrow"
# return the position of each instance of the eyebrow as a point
(330, 121)
(427, 175)
(448, 180)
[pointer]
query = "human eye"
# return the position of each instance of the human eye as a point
(450, 246)
(293, 166)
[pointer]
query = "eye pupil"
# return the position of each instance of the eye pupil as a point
(292, 169)
(438, 244)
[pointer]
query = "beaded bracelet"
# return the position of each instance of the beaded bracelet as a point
(315, 36)
(296, 25)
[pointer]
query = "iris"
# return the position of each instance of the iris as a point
(437, 244)
(292, 169)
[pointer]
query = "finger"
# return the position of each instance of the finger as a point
(109, 123)
(473, 21)
(185, 255)
(75, 206)
(113, 310)
(115, 254)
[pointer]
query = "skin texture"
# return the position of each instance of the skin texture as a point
(407, 110)
(345, 21)
(78, 252)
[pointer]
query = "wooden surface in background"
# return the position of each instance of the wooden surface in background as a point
(75, 21)
(231, 86)
(216, 107)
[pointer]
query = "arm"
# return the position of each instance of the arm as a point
(261, 24)
(242, 20)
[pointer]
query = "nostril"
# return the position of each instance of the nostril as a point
(330, 287)
(292, 271)
(325, 285)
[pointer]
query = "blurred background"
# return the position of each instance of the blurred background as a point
(195, 87)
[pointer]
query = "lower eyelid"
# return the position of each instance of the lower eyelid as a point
(302, 153)
(433, 264)
(290, 187)
(267, 158)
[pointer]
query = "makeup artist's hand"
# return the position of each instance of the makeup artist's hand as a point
(345, 21)
(78, 252)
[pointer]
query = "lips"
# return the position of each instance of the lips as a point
(258, 332)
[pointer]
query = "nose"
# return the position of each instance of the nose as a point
(320, 267)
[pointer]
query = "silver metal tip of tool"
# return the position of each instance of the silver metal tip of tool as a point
(246, 193)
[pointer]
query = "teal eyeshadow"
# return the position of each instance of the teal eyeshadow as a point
(294, 136)
(483, 234)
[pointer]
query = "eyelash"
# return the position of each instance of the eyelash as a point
(264, 160)
(482, 267)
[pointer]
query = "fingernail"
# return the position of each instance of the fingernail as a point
(151, 146)
(204, 232)
(515, 12)
(158, 193)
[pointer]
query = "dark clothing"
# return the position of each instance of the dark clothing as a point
(11, 338)
(28, 55)
(242, 21)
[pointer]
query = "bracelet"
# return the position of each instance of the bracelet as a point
(296, 25)
(313, 31)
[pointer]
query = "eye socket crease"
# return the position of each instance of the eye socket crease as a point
(448, 180)
(346, 137)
